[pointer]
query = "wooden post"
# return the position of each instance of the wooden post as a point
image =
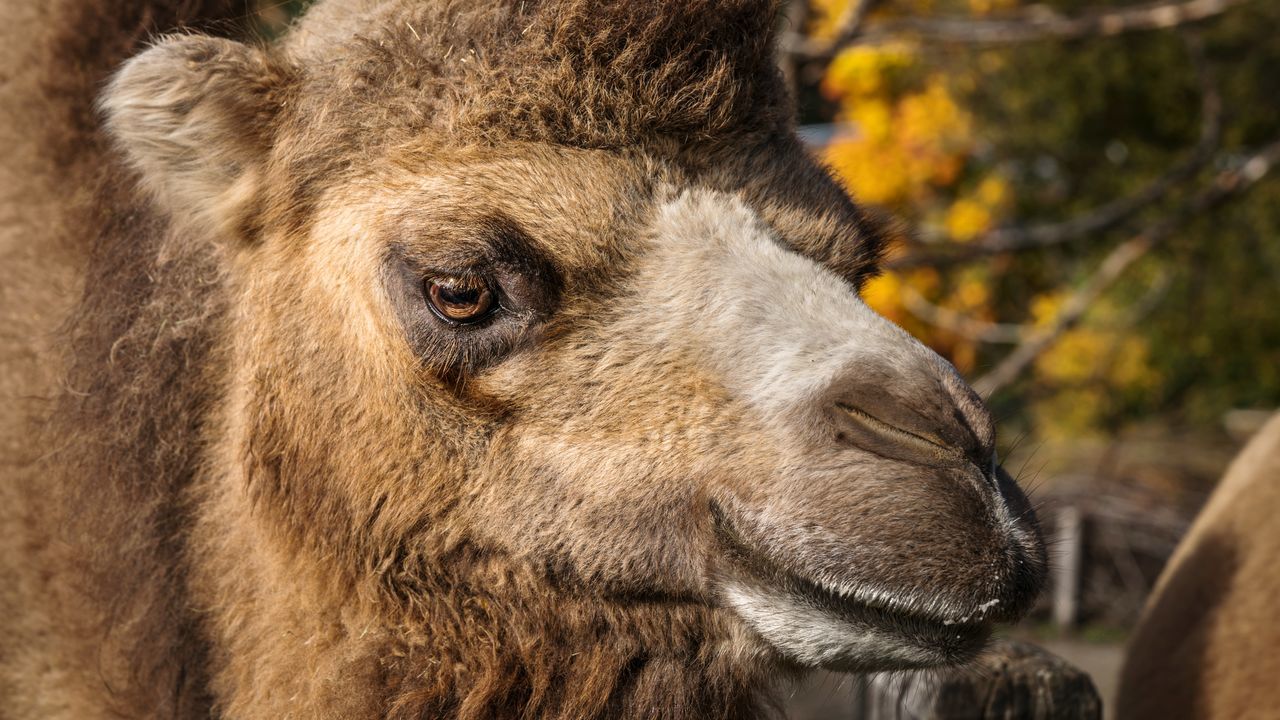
(1066, 571)
(1012, 681)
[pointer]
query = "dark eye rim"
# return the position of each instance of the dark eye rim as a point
(495, 304)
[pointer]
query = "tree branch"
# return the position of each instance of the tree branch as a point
(851, 23)
(994, 333)
(1034, 23)
(1227, 184)
(1010, 239)
(958, 322)
(1072, 311)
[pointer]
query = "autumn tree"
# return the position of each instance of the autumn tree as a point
(1090, 186)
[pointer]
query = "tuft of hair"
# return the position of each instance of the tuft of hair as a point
(586, 73)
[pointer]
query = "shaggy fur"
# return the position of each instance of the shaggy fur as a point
(248, 474)
(1205, 648)
(90, 510)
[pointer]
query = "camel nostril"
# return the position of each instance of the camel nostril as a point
(940, 421)
(912, 443)
(982, 453)
(911, 405)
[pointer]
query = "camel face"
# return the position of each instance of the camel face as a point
(638, 370)
(656, 397)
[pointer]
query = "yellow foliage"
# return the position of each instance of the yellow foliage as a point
(884, 294)
(973, 215)
(1087, 368)
(926, 280)
(933, 116)
(904, 139)
(902, 149)
(1131, 366)
(991, 62)
(993, 191)
(973, 295)
(876, 173)
(964, 356)
(863, 71)
(907, 145)
(1074, 358)
(1088, 364)
(966, 219)
(825, 17)
(874, 120)
(1044, 308)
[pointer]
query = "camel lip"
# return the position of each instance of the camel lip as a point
(930, 626)
(903, 618)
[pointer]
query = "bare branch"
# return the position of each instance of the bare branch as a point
(850, 26)
(1034, 23)
(1109, 215)
(994, 333)
(959, 323)
(1072, 311)
(798, 44)
(1040, 23)
(1227, 184)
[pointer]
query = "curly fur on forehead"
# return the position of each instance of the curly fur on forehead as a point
(576, 72)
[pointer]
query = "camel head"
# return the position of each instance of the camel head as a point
(552, 286)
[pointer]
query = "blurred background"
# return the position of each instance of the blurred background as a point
(1089, 230)
(1091, 234)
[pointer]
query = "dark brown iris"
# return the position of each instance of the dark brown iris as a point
(460, 299)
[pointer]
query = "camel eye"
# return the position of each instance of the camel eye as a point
(460, 300)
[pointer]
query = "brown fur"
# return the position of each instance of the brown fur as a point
(1206, 647)
(232, 487)
(75, 587)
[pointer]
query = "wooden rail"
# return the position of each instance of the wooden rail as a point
(1013, 681)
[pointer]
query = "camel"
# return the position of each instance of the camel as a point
(1205, 647)
(458, 359)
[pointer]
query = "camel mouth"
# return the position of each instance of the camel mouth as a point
(818, 622)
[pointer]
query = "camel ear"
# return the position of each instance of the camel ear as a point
(194, 115)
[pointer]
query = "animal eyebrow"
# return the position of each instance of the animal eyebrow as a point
(468, 243)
